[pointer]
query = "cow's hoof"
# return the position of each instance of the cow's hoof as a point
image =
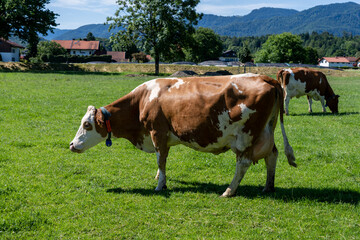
(160, 189)
(227, 193)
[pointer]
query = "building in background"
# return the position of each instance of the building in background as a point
(339, 62)
(80, 47)
(9, 51)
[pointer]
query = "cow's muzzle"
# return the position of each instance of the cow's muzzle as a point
(73, 149)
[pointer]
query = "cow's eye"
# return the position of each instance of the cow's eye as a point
(87, 126)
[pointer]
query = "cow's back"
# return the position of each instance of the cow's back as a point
(210, 114)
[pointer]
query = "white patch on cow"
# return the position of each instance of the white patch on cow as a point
(85, 139)
(177, 84)
(315, 94)
(320, 80)
(151, 86)
(245, 112)
(245, 75)
(294, 88)
(154, 89)
(237, 87)
(289, 71)
(147, 145)
(232, 137)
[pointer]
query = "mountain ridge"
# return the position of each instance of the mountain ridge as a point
(334, 18)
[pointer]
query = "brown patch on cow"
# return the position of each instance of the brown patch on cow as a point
(99, 123)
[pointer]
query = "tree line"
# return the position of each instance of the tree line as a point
(314, 45)
(166, 30)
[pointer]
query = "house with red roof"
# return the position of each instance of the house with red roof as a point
(80, 47)
(339, 62)
(9, 51)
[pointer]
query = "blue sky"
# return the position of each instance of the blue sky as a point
(76, 13)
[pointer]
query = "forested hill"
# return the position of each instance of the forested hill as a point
(334, 18)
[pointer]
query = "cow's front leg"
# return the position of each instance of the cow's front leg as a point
(242, 165)
(322, 100)
(310, 103)
(270, 161)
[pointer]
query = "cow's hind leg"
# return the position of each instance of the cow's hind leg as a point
(161, 175)
(162, 150)
(270, 161)
(287, 101)
(242, 165)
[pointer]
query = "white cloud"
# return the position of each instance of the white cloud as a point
(85, 5)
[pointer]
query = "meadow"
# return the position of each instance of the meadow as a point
(48, 192)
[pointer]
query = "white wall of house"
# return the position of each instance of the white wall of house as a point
(324, 63)
(82, 52)
(13, 56)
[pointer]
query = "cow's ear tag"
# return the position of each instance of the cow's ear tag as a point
(108, 142)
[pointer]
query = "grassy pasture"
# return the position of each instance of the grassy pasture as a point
(47, 192)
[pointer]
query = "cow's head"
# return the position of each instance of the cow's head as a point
(91, 131)
(333, 102)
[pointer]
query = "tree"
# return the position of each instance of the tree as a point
(26, 19)
(5, 26)
(140, 57)
(48, 49)
(205, 45)
(90, 37)
(282, 48)
(128, 47)
(245, 54)
(157, 25)
(311, 56)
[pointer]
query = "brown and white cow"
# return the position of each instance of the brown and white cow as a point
(298, 82)
(208, 114)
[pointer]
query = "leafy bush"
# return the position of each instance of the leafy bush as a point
(140, 57)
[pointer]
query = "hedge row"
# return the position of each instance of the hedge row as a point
(75, 58)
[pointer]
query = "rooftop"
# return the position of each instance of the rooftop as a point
(78, 44)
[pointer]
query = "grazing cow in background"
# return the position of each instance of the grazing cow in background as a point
(208, 114)
(298, 82)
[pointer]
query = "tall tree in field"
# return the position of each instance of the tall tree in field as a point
(205, 45)
(282, 48)
(26, 19)
(157, 24)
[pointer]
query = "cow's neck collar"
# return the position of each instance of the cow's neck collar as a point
(107, 116)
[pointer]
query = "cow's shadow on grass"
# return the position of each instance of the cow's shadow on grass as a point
(323, 114)
(328, 195)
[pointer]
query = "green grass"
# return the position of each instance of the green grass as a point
(48, 192)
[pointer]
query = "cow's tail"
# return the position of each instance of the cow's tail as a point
(288, 149)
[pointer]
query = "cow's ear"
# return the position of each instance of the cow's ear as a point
(337, 96)
(91, 109)
(99, 118)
